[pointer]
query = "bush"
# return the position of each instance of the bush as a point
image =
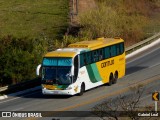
(19, 58)
(112, 19)
(99, 22)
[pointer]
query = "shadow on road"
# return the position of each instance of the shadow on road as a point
(133, 69)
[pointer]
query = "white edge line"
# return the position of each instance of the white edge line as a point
(143, 48)
(3, 97)
(21, 92)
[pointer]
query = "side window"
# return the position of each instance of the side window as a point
(113, 50)
(89, 58)
(101, 55)
(118, 49)
(95, 55)
(121, 48)
(106, 52)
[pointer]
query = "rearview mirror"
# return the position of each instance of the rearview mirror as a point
(38, 70)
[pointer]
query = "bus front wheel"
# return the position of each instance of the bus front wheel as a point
(82, 90)
(111, 79)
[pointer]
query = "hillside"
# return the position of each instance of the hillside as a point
(27, 29)
(31, 28)
(133, 20)
(34, 19)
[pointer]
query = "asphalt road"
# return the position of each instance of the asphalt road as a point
(142, 71)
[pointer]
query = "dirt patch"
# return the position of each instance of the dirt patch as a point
(80, 6)
(77, 7)
(85, 5)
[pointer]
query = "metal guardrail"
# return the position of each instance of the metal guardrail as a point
(3, 88)
(35, 82)
(20, 86)
(142, 43)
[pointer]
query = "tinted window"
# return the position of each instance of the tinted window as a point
(101, 55)
(89, 57)
(113, 50)
(107, 52)
(121, 48)
(118, 49)
(57, 61)
(95, 55)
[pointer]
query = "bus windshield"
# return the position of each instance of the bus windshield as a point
(57, 70)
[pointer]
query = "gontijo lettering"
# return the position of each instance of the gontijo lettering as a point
(107, 63)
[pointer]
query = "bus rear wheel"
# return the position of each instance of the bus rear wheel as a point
(115, 78)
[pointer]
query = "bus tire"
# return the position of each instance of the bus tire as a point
(115, 77)
(110, 80)
(82, 90)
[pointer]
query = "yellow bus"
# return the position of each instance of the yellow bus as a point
(82, 66)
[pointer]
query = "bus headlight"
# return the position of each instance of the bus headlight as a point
(43, 87)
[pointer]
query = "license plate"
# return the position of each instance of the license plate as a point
(50, 87)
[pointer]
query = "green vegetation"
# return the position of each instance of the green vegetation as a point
(28, 28)
(34, 18)
(19, 58)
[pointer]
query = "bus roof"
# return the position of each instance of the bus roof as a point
(65, 52)
(83, 46)
(94, 44)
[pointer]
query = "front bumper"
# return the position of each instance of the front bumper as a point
(58, 92)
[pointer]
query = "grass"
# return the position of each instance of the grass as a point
(34, 18)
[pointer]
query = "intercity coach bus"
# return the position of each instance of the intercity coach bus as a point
(82, 66)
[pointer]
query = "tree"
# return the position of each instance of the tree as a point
(19, 58)
(121, 106)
